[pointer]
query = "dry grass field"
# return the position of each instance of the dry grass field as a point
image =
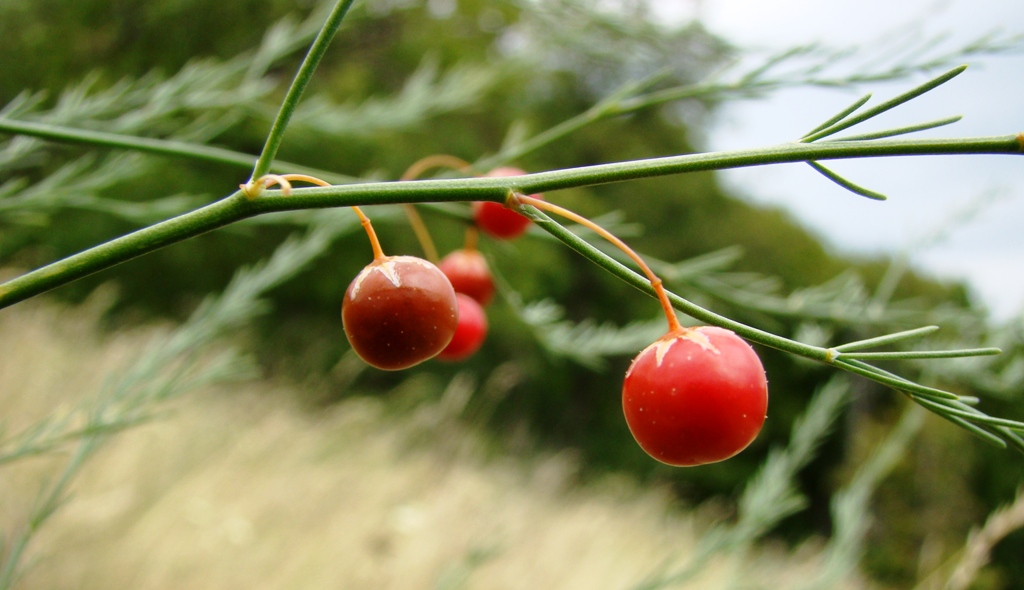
(240, 487)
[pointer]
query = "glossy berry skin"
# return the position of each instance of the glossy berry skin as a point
(496, 219)
(468, 272)
(399, 311)
(469, 334)
(695, 396)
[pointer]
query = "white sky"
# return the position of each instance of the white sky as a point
(987, 250)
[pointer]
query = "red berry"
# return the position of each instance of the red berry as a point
(469, 274)
(695, 396)
(399, 311)
(498, 220)
(470, 333)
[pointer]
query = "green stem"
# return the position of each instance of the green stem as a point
(902, 130)
(887, 105)
(236, 207)
(922, 354)
(162, 147)
(302, 78)
(550, 135)
(114, 252)
(691, 309)
(886, 339)
(941, 408)
(847, 184)
(841, 115)
(607, 107)
(495, 188)
(895, 381)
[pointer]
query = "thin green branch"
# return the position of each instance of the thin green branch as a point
(969, 414)
(902, 130)
(114, 252)
(887, 339)
(691, 309)
(922, 354)
(840, 115)
(476, 189)
(302, 78)
(975, 430)
(887, 105)
(607, 107)
(895, 381)
(162, 147)
(847, 184)
(1011, 437)
(236, 207)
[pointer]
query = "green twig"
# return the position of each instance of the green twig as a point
(162, 147)
(848, 185)
(902, 130)
(302, 78)
(236, 207)
(895, 381)
(841, 115)
(922, 354)
(887, 339)
(968, 414)
(887, 105)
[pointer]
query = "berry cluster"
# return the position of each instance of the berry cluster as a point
(401, 310)
(694, 396)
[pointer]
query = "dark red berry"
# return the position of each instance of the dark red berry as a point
(469, 274)
(695, 396)
(498, 220)
(399, 311)
(470, 333)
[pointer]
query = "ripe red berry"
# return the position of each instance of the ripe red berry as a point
(695, 396)
(498, 220)
(399, 311)
(470, 333)
(469, 274)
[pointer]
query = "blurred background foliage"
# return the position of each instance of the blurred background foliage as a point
(407, 79)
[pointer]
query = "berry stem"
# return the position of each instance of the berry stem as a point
(422, 233)
(471, 238)
(378, 252)
(415, 221)
(656, 284)
(436, 161)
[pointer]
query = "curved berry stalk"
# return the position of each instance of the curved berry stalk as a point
(399, 310)
(694, 396)
(501, 221)
(415, 221)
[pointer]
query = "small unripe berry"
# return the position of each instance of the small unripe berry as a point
(695, 396)
(399, 311)
(469, 334)
(469, 274)
(498, 220)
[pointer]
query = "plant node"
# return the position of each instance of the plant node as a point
(253, 188)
